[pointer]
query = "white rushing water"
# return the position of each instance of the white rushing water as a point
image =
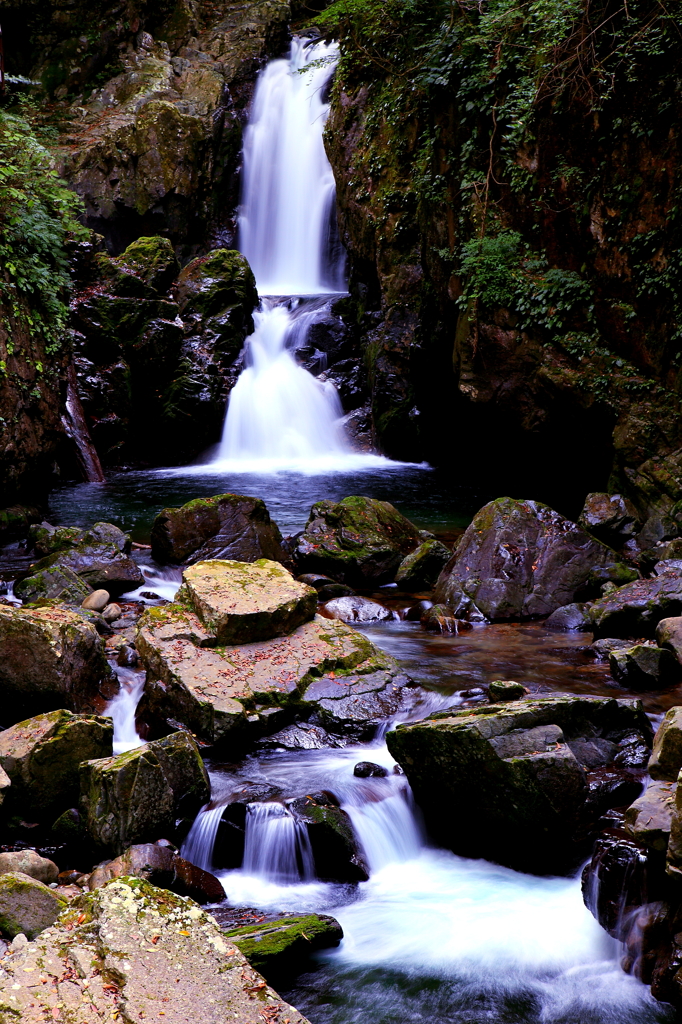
(469, 939)
(123, 706)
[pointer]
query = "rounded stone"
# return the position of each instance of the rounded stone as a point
(97, 601)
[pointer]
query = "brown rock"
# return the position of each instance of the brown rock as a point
(666, 757)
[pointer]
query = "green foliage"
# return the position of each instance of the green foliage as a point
(37, 214)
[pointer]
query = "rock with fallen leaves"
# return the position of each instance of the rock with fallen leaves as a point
(132, 952)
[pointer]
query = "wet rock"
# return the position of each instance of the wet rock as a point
(336, 852)
(506, 689)
(47, 539)
(124, 946)
(420, 569)
(517, 560)
(440, 619)
(49, 657)
(510, 775)
(27, 906)
(330, 591)
(610, 517)
(216, 283)
(228, 526)
(618, 573)
(615, 879)
(133, 797)
(241, 602)
(96, 601)
(603, 648)
(100, 557)
(610, 786)
(324, 668)
(666, 757)
(358, 541)
(648, 820)
(637, 608)
(356, 609)
(161, 866)
(42, 756)
(146, 269)
(574, 616)
(28, 862)
(56, 583)
(303, 736)
(281, 949)
(369, 770)
(645, 667)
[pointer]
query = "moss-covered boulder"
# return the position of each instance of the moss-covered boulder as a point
(26, 905)
(42, 757)
(666, 757)
(138, 796)
(420, 569)
(336, 851)
(129, 949)
(281, 949)
(146, 269)
(217, 283)
(359, 541)
(99, 557)
(58, 582)
(230, 526)
(324, 670)
(45, 539)
(49, 658)
(509, 782)
(240, 602)
(636, 609)
(645, 667)
(518, 560)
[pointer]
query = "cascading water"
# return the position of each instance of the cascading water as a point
(276, 846)
(278, 413)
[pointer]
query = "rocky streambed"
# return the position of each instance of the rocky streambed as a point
(199, 720)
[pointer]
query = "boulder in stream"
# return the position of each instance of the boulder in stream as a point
(100, 556)
(636, 609)
(357, 609)
(645, 667)
(421, 568)
(281, 949)
(511, 782)
(336, 851)
(125, 950)
(225, 526)
(240, 602)
(49, 657)
(42, 756)
(358, 541)
(136, 796)
(518, 560)
(58, 582)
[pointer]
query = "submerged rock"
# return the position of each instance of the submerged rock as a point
(49, 657)
(440, 619)
(42, 757)
(420, 569)
(27, 906)
(281, 949)
(139, 795)
(241, 602)
(358, 541)
(504, 782)
(229, 526)
(518, 560)
(128, 948)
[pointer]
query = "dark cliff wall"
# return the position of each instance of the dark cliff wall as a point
(509, 193)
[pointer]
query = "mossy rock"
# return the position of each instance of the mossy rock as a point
(213, 283)
(358, 541)
(56, 582)
(336, 851)
(146, 269)
(42, 756)
(420, 569)
(26, 905)
(284, 946)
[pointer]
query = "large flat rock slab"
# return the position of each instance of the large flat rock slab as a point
(132, 952)
(324, 667)
(241, 602)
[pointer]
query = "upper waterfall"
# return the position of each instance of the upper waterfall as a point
(286, 218)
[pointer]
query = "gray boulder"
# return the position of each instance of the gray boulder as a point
(510, 782)
(30, 863)
(645, 667)
(99, 556)
(26, 905)
(636, 609)
(518, 560)
(230, 526)
(58, 582)
(610, 517)
(357, 609)
(420, 569)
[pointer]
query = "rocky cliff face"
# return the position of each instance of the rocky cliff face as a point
(508, 195)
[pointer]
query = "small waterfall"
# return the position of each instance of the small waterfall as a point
(123, 706)
(276, 846)
(387, 826)
(198, 846)
(279, 413)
